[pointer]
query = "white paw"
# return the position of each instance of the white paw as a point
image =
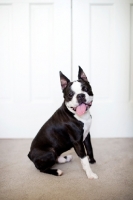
(92, 175)
(64, 159)
(68, 158)
(59, 172)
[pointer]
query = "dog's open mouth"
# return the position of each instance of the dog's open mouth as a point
(82, 108)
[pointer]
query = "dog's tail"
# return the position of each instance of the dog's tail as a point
(29, 155)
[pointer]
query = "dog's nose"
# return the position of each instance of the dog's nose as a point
(81, 98)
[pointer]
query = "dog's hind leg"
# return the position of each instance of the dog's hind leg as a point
(44, 160)
(56, 172)
(64, 159)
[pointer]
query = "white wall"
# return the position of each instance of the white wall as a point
(37, 39)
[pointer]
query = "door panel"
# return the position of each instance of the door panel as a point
(35, 44)
(5, 52)
(102, 45)
(41, 39)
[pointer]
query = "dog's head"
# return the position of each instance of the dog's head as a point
(78, 94)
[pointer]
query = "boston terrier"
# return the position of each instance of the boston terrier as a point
(68, 127)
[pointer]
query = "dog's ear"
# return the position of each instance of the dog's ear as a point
(63, 80)
(81, 74)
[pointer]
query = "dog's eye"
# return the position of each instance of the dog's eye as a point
(85, 89)
(70, 94)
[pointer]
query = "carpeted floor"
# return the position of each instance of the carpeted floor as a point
(20, 180)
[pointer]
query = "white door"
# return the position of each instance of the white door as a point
(103, 46)
(35, 43)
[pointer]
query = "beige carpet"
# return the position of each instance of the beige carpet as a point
(20, 180)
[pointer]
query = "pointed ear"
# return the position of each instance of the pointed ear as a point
(81, 74)
(63, 80)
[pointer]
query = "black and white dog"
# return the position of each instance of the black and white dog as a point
(68, 127)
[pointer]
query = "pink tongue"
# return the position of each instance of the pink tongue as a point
(80, 110)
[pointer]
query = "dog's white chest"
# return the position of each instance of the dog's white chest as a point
(86, 119)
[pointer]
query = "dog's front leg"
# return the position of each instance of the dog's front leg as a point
(79, 148)
(88, 146)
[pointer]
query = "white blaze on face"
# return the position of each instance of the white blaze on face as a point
(76, 88)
